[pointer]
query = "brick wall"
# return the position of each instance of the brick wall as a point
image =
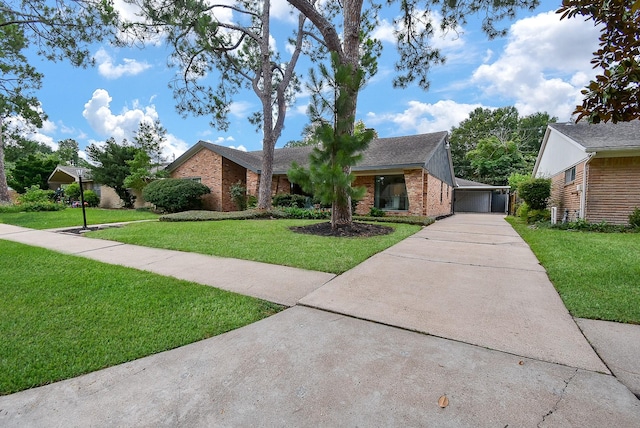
(253, 183)
(280, 184)
(207, 166)
(437, 195)
(232, 173)
(565, 196)
(415, 181)
(367, 202)
(613, 190)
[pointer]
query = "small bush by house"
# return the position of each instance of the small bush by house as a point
(174, 194)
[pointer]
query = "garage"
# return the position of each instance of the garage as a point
(473, 197)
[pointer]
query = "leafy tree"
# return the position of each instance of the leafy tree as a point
(239, 49)
(68, 152)
(503, 123)
(62, 29)
(146, 164)
(111, 166)
(33, 170)
(493, 161)
(615, 94)
(352, 51)
(150, 137)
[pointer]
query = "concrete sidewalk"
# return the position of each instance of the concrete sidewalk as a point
(279, 284)
(479, 322)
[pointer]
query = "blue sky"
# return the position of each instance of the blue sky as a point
(541, 65)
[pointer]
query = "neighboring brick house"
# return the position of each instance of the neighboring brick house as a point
(410, 175)
(595, 170)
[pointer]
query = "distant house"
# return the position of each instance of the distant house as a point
(64, 175)
(410, 175)
(595, 170)
(473, 197)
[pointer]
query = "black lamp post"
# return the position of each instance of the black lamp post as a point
(84, 214)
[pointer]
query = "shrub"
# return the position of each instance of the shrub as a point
(634, 218)
(175, 194)
(239, 195)
(536, 216)
(36, 195)
(289, 200)
(252, 202)
(72, 191)
(306, 214)
(376, 212)
(535, 192)
(91, 198)
(523, 211)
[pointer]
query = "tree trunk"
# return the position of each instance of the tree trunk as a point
(4, 188)
(346, 109)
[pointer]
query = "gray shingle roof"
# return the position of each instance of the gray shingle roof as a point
(602, 136)
(424, 150)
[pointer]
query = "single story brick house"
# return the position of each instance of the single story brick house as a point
(410, 175)
(595, 170)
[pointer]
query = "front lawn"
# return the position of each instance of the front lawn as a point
(268, 241)
(596, 274)
(72, 217)
(63, 316)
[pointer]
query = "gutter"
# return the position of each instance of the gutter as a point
(583, 194)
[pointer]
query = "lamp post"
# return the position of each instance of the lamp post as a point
(84, 214)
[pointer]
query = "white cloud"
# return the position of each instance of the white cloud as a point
(451, 40)
(240, 147)
(97, 111)
(544, 65)
(129, 67)
(282, 10)
(240, 109)
(422, 118)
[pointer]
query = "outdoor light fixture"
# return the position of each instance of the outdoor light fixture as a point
(84, 214)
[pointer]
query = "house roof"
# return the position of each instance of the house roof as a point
(415, 151)
(62, 173)
(463, 184)
(602, 136)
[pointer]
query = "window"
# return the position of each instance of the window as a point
(391, 193)
(570, 175)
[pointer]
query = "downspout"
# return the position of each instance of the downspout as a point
(583, 194)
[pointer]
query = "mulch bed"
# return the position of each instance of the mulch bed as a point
(354, 230)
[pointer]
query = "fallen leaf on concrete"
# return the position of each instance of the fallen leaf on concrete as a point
(521, 363)
(443, 401)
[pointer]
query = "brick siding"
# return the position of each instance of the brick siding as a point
(565, 196)
(613, 191)
(367, 202)
(207, 166)
(232, 173)
(438, 196)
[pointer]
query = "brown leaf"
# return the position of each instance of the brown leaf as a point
(443, 401)
(521, 363)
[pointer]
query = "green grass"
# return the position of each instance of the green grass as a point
(71, 217)
(596, 274)
(63, 316)
(268, 241)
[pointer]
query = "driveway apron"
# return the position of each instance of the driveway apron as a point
(469, 278)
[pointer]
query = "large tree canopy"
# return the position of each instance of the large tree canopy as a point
(615, 94)
(504, 124)
(58, 30)
(112, 166)
(233, 39)
(343, 29)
